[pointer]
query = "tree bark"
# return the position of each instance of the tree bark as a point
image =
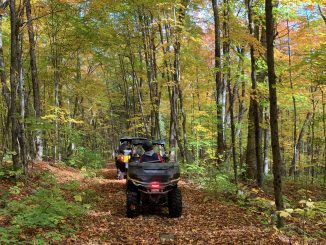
(254, 98)
(140, 100)
(266, 144)
(312, 159)
(14, 73)
(298, 145)
(21, 93)
(293, 168)
(5, 89)
(321, 13)
(175, 90)
(241, 99)
(35, 81)
(56, 79)
(219, 83)
(251, 167)
(324, 128)
(277, 161)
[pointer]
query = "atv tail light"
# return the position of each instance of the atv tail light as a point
(154, 185)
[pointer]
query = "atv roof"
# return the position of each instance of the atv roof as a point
(133, 140)
(158, 142)
(141, 140)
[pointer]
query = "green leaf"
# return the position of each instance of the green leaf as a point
(289, 210)
(299, 211)
(78, 198)
(284, 214)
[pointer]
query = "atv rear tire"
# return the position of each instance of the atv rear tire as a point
(132, 204)
(175, 203)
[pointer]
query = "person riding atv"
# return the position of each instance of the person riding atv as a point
(150, 155)
(129, 150)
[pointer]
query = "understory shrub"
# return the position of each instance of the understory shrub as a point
(84, 157)
(210, 178)
(44, 216)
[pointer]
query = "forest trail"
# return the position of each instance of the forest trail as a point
(204, 220)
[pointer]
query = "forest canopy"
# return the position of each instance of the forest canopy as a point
(232, 86)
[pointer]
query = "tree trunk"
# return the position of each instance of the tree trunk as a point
(175, 90)
(14, 73)
(148, 38)
(254, 98)
(312, 159)
(35, 81)
(5, 89)
(277, 161)
(293, 168)
(219, 84)
(5, 92)
(321, 13)
(251, 150)
(324, 128)
(266, 144)
(56, 78)
(298, 145)
(242, 108)
(140, 100)
(21, 93)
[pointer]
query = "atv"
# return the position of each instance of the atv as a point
(153, 184)
(125, 155)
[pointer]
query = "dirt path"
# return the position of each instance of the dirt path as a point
(203, 221)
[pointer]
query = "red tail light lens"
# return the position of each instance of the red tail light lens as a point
(154, 185)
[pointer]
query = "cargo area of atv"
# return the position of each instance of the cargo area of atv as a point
(148, 172)
(153, 184)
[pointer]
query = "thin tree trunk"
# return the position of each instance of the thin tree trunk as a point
(5, 89)
(14, 73)
(324, 127)
(299, 142)
(149, 47)
(56, 77)
(312, 159)
(293, 168)
(234, 153)
(277, 161)
(251, 150)
(242, 108)
(321, 13)
(266, 144)
(219, 83)
(227, 77)
(176, 92)
(35, 81)
(254, 98)
(140, 100)
(21, 93)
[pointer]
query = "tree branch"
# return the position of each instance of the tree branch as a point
(321, 13)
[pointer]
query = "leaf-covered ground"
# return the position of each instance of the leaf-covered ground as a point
(204, 220)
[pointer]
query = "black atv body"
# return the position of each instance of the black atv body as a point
(153, 184)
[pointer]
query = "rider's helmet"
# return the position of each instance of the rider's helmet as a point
(148, 145)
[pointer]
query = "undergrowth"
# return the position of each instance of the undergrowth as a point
(48, 213)
(305, 214)
(87, 160)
